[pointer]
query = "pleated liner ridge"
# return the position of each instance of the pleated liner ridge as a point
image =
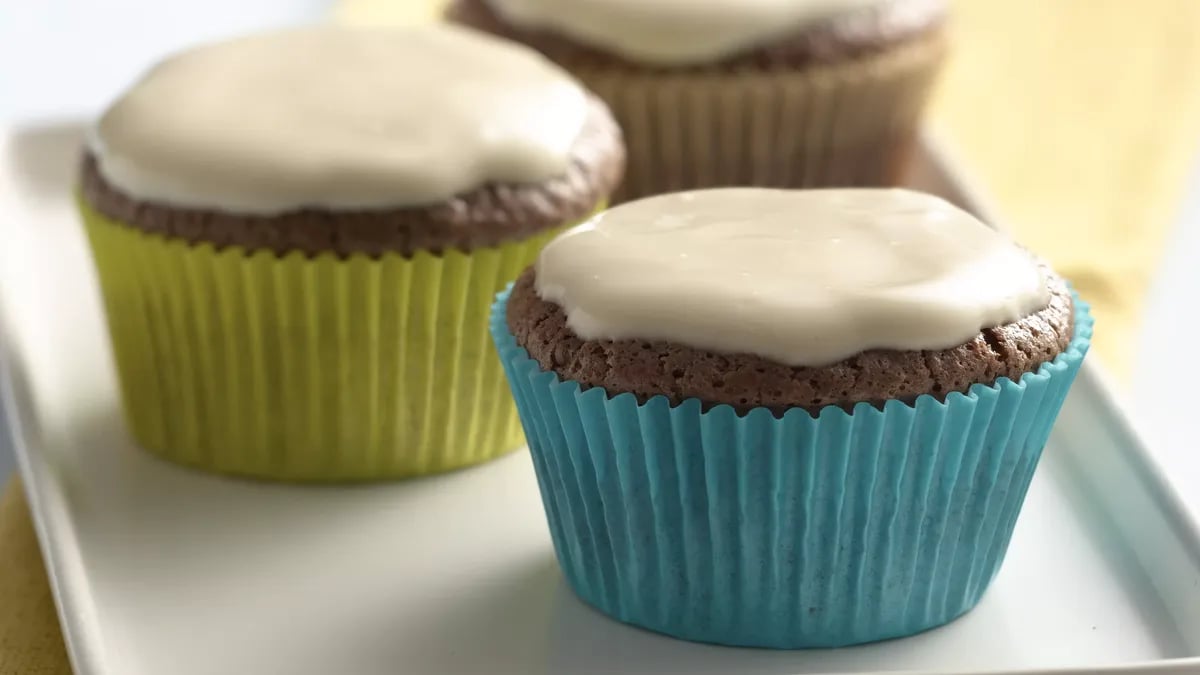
(297, 368)
(789, 532)
(842, 124)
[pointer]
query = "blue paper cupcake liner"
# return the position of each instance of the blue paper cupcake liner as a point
(789, 532)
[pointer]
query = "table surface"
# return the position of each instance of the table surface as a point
(1076, 116)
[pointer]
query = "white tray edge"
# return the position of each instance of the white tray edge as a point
(55, 534)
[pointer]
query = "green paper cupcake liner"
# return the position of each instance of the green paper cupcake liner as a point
(307, 368)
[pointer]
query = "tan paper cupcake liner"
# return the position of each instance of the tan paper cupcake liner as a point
(301, 368)
(844, 124)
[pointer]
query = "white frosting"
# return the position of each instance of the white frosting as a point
(800, 277)
(673, 32)
(340, 118)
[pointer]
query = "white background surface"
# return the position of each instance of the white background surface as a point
(68, 57)
(1168, 368)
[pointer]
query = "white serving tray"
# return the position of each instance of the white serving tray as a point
(161, 570)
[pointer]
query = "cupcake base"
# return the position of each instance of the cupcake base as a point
(308, 369)
(791, 532)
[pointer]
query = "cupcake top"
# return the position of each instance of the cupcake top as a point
(785, 298)
(339, 118)
(674, 33)
(804, 278)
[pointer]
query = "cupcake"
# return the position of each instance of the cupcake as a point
(776, 93)
(786, 419)
(298, 236)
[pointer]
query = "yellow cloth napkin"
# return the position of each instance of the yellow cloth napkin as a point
(30, 640)
(1078, 116)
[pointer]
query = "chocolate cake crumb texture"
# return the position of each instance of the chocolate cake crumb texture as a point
(648, 368)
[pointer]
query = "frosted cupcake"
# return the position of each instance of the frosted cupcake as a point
(784, 418)
(775, 93)
(298, 236)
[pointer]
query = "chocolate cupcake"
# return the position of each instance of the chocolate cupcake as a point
(298, 236)
(786, 419)
(783, 93)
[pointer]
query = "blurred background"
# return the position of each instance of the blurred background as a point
(1078, 119)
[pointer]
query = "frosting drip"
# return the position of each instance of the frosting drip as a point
(804, 278)
(673, 32)
(339, 118)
